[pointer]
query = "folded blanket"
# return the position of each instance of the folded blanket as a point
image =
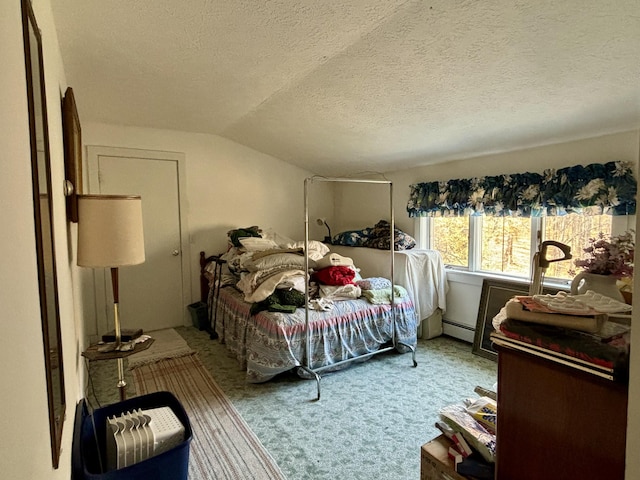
(317, 249)
(374, 283)
(274, 251)
(383, 296)
(293, 283)
(257, 292)
(340, 292)
(335, 275)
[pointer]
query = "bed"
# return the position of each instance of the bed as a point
(267, 343)
(420, 271)
(257, 309)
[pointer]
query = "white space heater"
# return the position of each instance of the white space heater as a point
(141, 434)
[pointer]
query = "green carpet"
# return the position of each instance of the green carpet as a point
(223, 447)
(371, 421)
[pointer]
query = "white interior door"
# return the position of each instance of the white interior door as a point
(152, 294)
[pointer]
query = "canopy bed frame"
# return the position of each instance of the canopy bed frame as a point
(394, 341)
(317, 342)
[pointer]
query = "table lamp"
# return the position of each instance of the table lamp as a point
(322, 221)
(110, 235)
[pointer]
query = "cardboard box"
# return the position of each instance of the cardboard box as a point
(435, 463)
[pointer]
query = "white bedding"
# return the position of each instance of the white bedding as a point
(421, 272)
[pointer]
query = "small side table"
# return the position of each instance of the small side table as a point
(92, 354)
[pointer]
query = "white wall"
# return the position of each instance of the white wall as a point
(228, 186)
(360, 206)
(356, 205)
(26, 449)
(621, 146)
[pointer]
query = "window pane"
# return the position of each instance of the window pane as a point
(575, 231)
(450, 236)
(506, 245)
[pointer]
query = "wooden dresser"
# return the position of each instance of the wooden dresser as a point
(556, 421)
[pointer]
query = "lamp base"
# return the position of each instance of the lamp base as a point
(122, 384)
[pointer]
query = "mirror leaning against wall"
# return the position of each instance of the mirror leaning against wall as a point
(43, 222)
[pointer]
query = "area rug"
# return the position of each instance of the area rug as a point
(167, 344)
(223, 445)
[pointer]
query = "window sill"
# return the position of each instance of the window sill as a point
(477, 278)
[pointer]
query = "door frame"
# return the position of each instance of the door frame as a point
(101, 280)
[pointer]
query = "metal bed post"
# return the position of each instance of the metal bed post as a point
(213, 292)
(392, 238)
(392, 254)
(216, 287)
(308, 365)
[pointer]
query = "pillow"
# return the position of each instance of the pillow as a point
(255, 244)
(352, 238)
(276, 237)
(292, 260)
(380, 238)
(333, 260)
(317, 249)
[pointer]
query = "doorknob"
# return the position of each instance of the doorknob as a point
(175, 253)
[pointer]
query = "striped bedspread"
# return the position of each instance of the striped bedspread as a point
(269, 343)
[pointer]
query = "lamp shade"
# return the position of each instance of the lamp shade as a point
(110, 231)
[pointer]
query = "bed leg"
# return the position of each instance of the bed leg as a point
(413, 353)
(212, 322)
(317, 377)
(214, 295)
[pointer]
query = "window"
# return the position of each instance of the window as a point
(505, 245)
(575, 231)
(511, 214)
(450, 236)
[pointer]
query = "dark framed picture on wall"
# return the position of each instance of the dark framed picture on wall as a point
(495, 294)
(72, 137)
(44, 227)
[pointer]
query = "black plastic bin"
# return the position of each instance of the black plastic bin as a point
(89, 444)
(199, 315)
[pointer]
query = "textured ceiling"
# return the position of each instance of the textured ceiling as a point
(346, 86)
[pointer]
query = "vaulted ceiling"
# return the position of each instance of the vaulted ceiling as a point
(345, 86)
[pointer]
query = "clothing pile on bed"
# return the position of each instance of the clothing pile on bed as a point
(377, 236)
(378, 290)
(272, 275)
(335, 277)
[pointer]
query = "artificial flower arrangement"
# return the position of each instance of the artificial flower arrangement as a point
(609, 257)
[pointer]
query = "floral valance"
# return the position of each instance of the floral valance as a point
(596, 188)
